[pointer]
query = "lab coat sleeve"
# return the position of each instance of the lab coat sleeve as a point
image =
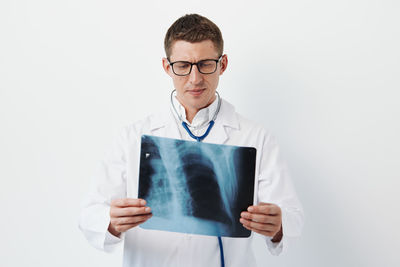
(275, 186)
(108, 183)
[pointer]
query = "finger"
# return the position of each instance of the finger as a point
(265, 233)
(130, 220)
(125, 227)
(261, 218)
(259, 226)
(128, 202)
(265, 208)
(131, 211)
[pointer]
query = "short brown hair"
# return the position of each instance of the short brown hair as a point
(193, 28)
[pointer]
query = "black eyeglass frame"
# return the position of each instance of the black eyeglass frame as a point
(196, 63)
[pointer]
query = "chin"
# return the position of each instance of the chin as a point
(198, 104)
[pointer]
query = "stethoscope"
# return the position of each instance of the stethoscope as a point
(199, 139)
(210, 123)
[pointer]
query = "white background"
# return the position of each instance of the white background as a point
(323, 76)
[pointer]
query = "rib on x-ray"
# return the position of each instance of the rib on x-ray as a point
(195, 187)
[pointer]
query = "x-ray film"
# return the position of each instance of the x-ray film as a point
(194, 187)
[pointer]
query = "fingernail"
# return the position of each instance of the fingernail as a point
(147, 209)
(142, 202)
(250, 209)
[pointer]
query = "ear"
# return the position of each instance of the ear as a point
(166, 66)
(224, 64)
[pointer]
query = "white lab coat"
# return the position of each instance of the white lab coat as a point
(118, 178)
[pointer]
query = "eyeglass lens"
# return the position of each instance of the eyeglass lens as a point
(205, 67)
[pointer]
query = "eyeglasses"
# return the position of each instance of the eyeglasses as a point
(183, 68)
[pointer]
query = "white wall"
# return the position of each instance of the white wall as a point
(323, 76)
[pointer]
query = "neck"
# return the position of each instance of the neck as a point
(192, 111)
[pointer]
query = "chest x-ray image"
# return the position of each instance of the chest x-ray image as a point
(194, 187)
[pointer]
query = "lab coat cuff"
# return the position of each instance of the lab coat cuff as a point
(275, 248)
(94, 223)
(111, 241)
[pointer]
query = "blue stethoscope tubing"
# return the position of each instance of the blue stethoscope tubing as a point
(221, 250)
(199, 139)
(210, 123)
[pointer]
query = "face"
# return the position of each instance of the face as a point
(196, 90)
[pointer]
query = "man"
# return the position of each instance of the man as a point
(112, 213)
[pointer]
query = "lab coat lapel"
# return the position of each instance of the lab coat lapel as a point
(164, 125)
(217, 134)
(171, 130)
(225, 122)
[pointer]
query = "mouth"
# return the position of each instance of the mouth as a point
(196, 92)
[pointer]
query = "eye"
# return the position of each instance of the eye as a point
(206, 64)
(182, 65)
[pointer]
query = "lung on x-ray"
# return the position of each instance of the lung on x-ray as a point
(194, 187)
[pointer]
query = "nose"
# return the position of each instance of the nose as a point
(195, 77)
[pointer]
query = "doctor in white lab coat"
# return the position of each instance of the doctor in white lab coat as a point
(112, 211)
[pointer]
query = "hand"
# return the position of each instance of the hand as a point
(265, 219)
(127, 213)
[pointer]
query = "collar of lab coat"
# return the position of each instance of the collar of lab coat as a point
(165, 124)
(202, 116)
